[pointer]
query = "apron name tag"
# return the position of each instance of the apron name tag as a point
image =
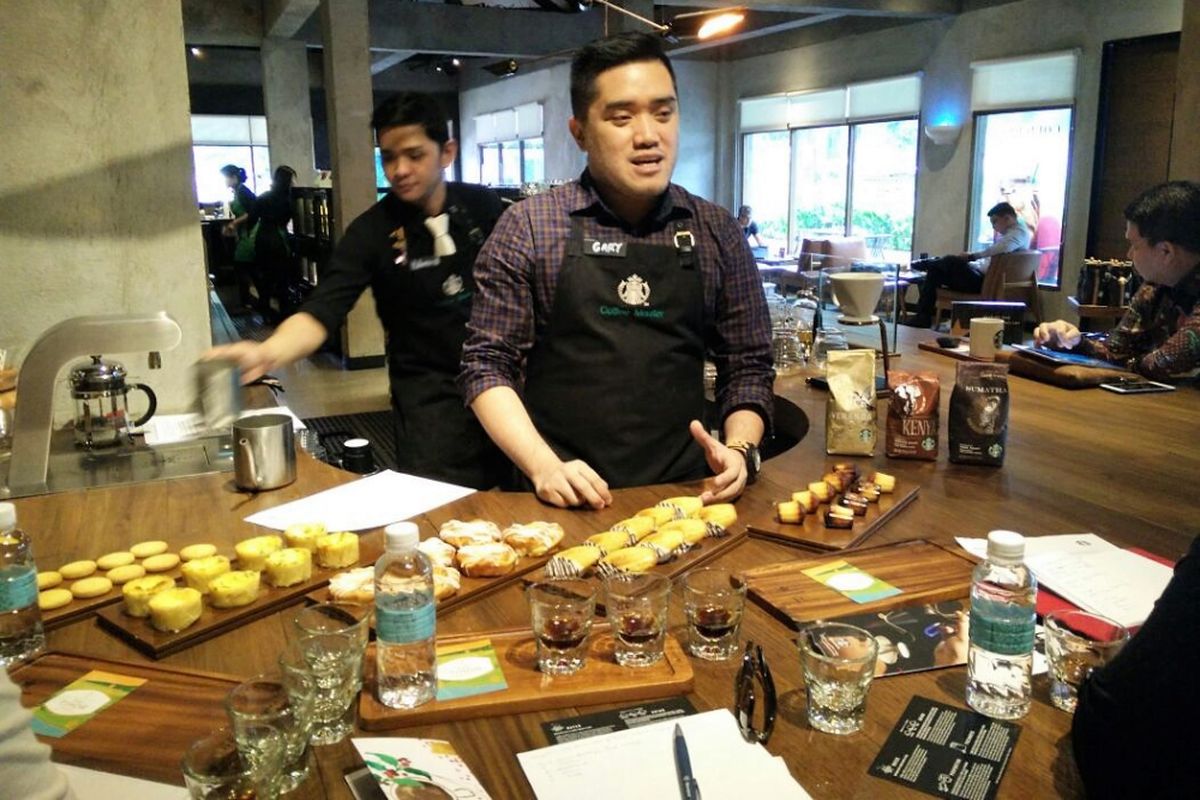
(424, 263)
(596, 247)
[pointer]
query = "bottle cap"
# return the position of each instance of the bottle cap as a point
(401, 536)
(8, 516)
(1006, 545)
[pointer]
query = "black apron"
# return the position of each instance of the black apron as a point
(618, 371)
(428, 304)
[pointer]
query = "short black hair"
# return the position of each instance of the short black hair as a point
(605, 54)
(412, 108)
(1005, 209)
(1168, 212)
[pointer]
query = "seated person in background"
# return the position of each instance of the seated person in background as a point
(749, 226)
(1134, 732)
(1159, 336)
(964, 272)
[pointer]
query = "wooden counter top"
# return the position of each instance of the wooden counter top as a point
(1123, 467)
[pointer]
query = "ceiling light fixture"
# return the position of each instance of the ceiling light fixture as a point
(721, 23)
(503, 69)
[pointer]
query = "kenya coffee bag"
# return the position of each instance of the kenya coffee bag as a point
(979, 414)
(912, 419)
(850, 409)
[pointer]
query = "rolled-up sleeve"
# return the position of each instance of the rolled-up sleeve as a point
(500, 332)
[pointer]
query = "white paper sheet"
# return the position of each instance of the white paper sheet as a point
(1076, 543)
(640, 763)
(379, 499)
(1115, 583)
(169, 428)
(96, 785)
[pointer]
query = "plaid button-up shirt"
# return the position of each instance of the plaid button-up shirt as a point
(517, 272)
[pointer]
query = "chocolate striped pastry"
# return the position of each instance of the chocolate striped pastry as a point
(660, 514)
(665, 543)
(574, 562)
(723, 515)
(684, 506)
(638, 528)
(609, 541)
(631, 560)
(692, 530)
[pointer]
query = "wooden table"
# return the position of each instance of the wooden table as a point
(1120, 466)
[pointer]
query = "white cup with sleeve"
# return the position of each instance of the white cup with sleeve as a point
(987, 337)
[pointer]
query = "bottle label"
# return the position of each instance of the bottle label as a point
(18, 591)
(1008, 636)
(404, 625)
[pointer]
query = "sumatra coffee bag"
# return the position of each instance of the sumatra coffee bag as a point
(979, 414)
(850, 409)
(912, 419)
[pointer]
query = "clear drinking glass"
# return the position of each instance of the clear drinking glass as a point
(561, 616)
(713, 600)
(838, 662)
(333, 662)
(637, 607)
(1076, 644)
(351, 619)
(283, 702)
(216, 768)
(824, 340)
(785, 346)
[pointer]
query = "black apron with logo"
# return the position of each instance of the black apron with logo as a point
(618, 372)
(428, 304)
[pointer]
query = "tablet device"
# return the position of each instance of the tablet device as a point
(1061, 357)
(1136, 386)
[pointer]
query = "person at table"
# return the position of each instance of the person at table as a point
(600, 300)
(1134, 732)
(268, 220)
(237, 229)
(749, 226)
(414, 249)
(1159, 336)
(964, 272)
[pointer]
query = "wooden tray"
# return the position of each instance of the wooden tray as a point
(216, 621)
(601, 680)
(81, 608)
(143, 735)
(921, 569)
(813, 533)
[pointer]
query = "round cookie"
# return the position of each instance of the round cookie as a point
(147, 549)
(54, 598)
(126, 573)
(114, 560)
(48, 580)
(77, 569)
(91, 587)
(194, 551)
(161, 562)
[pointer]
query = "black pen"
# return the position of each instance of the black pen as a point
(688, 788)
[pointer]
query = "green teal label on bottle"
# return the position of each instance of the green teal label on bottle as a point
(1008, 635)
(404, 625)
(18, 589)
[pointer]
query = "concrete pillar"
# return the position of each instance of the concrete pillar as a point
(346, 35)
(286, 98)
(1185, 137)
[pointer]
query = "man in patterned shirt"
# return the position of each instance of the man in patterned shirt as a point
(599, 301)
(1159, 336)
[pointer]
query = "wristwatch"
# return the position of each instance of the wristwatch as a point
(749, 451)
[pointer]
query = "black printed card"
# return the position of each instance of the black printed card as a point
(571, 728)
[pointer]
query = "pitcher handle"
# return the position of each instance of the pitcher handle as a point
(153, 400)
(244, 443)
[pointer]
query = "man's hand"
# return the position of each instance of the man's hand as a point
(1059, 333)
(953, 647)
(570, 483)
(254, 359)
(729, 466)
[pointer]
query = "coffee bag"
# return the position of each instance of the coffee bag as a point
(912, 419)
(979, 414)
(850, 427)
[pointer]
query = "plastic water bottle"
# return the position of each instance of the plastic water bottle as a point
(1003, 612)
(405, 657)
(21, 634)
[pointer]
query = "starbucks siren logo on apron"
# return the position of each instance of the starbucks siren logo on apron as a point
(634, 291)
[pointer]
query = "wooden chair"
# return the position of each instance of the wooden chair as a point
(1009, 275)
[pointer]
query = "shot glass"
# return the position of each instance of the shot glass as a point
(1077, 643)
(637, 607)
(333, 663)
(215, 767)
(351, 619)
(838, 663)
(713, 600)
(283, 703)
(561, 615)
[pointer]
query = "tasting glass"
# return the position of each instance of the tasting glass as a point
(333, 663)
(1077, 643)
(350, 619)
(838, 663)
(216, 767)
(637, 607)
(561, 615)
(824, 340)
(713, 600)
(284, 703)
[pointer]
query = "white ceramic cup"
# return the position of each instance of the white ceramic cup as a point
(987, 337)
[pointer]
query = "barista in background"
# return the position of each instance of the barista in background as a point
(1159, 336)
(268, 222)
(237, 228)
(749, 226)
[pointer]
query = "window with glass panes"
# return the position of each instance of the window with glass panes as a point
(220, 139)
(511, 147)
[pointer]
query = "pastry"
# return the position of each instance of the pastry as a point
(806, 500)
(438, 552)
(354, 586)
(692, 531)
(839, 517)
(199, 572)
(126, 573)
(855, 502)
(91, 587)
(609, 541)
(49, 579)
(137, 593)
(289, 566)
(194, 551)
(885, 482)
(533, 539)
(790, 512)
(684, 506)
(77, 569)
(631, 560)
(147, 549)
(489, 560)
(304, 534)
(638, 528)
(477, 531)
(848, 470)
(836, 482)
(335, 550)
(821, 490)
(867, 490)
(235, 589)
(446, 582)
(113, 560)
(163, 562)
(660, 514)
(51, 599)
(723, 514)
(252, 553)
(573, 562)
(664, 542)
(172, 610)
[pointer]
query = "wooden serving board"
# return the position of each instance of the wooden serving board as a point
(215, 621)
(922, 570)
(143, 735)
(959, 355)
(813, 533)
(81, 608)
(601, 680)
